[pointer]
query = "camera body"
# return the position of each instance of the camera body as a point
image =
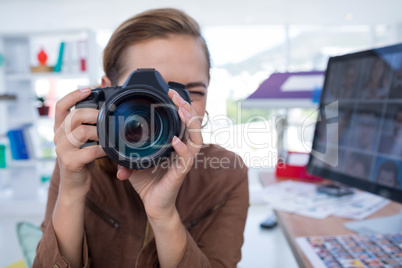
(137, 121)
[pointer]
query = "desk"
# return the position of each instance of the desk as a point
(294, 225)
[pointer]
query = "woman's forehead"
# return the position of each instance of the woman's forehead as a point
(174, 57)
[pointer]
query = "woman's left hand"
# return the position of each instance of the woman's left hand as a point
(158, 187)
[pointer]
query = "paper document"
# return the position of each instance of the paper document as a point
(302, 198)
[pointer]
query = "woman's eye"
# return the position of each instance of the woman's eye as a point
(197, 93)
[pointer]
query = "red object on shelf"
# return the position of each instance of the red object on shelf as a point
(83, 64)
(42, 57)
(284, 169)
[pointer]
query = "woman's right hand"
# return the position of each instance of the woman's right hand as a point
(70, 134)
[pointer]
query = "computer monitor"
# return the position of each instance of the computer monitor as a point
(358, 135)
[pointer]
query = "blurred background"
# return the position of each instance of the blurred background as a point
(248, 40)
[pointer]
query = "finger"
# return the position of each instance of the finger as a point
(124, 173)
(180, 102)
(80, 157)
(190, 118)
(75, 140)
(82, 134)
(59, 135)
(89, 154)
(80, 116)
(194, 139)
(64, 105)
(185, 155)
(172, 92)
(73, 120)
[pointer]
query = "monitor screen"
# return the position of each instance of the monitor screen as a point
(358, 135)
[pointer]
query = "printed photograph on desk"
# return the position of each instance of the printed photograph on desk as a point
(391, 135)
(366, 125)
(377, 77)
(388, 172)
(380, 250)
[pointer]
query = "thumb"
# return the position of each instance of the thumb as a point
(123, 173)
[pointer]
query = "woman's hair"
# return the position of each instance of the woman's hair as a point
(155, 23)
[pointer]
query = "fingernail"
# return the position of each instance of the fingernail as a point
(185, 112)
(178, 100)
(85, 89)
(176, 141)
(119, 168)
(174, 92)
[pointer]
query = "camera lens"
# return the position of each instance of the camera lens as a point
(142, 130)
(136, 128)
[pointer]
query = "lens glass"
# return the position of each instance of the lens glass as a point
(141, 128)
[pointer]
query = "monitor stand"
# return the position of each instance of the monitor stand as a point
(383, 225)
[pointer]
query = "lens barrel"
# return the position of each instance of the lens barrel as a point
(136, 126)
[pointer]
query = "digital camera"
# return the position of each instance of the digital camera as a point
(137, 121)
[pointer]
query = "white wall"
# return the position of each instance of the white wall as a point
(39, 15)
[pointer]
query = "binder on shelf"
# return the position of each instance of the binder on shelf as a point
(32, 139)
(70, 62)
(2, 156)
(72, 57)
(83, 54)
(24, 143)
(18, 146)
(57, 67)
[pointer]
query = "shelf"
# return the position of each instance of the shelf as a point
(46, 119)
(27, 163)
(22, 163)
(7, 97)
(35, 76)
(23, 183)
(18, 122)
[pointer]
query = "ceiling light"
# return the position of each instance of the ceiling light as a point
(350, 16)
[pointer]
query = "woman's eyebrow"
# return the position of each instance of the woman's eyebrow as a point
(196, 84)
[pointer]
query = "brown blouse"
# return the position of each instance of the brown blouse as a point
(212, 203)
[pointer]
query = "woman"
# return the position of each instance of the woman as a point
(190, 215)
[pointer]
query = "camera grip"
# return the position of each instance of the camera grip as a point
(92, 101)
(89, 143)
